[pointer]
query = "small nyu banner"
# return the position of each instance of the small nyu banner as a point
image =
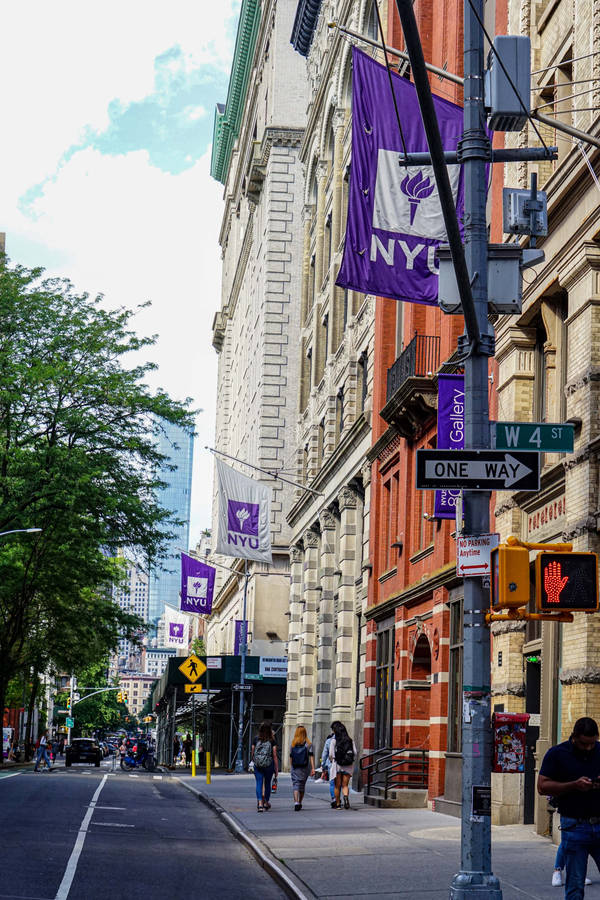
(197, 585)
(244, 528)
(176, 628)
(450, 435)
(238, 637)
(395, 219)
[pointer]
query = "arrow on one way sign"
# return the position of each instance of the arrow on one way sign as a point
(478, 470)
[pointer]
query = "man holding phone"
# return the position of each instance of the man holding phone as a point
(570, 773)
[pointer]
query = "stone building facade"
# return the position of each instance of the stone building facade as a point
(548, 371)
(256, 330)
(329, 530)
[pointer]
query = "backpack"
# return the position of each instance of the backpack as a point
(263, 754)
(299, 754)
(344, 752)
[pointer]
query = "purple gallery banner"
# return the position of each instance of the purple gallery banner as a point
(239, 636)
(450, 434)
(395, 219)
(197, 585)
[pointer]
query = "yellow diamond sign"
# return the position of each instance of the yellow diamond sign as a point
(193, 668)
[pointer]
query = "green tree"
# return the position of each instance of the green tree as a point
(102, 711)
(79, 459)
(198, 646)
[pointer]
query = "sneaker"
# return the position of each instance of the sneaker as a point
(334, 804)
(588, 880)
(297, 807)
(557, 878)
(346, 802)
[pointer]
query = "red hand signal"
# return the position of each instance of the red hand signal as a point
(553, 583)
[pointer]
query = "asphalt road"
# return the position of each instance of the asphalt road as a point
(94, 834)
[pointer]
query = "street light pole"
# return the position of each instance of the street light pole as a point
(20, 531)
(239, 763)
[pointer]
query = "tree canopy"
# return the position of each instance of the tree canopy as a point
(78, 459)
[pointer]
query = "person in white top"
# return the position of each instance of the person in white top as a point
(342, 756)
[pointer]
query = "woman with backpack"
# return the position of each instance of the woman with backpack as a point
(302, 759)
(342, 755)
(264, 757)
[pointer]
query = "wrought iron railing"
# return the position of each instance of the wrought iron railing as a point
(420, 358)
(390, 768)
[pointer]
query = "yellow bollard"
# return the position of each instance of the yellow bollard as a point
(207, 767)
(193, 763)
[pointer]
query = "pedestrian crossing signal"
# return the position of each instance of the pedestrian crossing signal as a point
(510, 577)
(566, 581)
(68, 704)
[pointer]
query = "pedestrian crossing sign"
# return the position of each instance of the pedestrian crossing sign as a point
(193, 688)
(193, 668)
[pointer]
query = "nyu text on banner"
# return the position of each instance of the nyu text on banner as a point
(197, 585)
(244, 521)
(176, 628)
(450, 434)
(394, 219)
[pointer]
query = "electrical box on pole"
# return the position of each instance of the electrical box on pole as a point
(508, 86)
(566, 581)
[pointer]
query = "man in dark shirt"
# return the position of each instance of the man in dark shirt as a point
(570, 773)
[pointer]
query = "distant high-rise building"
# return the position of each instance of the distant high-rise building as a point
(178, 445)
(132, 596)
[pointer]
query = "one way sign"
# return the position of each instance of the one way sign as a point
(478, 470)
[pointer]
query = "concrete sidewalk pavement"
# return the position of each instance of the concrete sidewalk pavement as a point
(376, 853)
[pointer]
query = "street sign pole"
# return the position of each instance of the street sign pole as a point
(239, 762)
(208, 748)
(193, 735)
(475, 878)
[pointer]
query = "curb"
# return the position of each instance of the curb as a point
(268, 862)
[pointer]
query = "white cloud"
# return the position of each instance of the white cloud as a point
(115, 224)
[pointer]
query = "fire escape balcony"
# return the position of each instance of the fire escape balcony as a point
(411, 398)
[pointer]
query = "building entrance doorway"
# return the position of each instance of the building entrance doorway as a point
(419, 687)
(384, 698)
(533, 672)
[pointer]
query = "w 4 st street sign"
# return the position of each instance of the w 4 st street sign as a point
(545, 437)
(478, 470)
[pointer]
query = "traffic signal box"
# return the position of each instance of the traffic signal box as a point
(565, 582)
(510, 577)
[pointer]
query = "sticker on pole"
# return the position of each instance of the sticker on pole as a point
(473, 554)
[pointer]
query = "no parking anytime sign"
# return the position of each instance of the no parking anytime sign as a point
(473, 553)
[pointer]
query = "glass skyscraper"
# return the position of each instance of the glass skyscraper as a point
(165, 583)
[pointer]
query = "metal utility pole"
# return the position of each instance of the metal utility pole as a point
(239, 761)
(475, 878)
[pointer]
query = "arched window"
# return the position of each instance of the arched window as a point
(371, 26)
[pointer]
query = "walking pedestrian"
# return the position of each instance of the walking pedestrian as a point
(342, 756)
(176, 749)
(42, 753)
(570, 773)
(302, 759)
(326, 768)
(559, 864)
(187, 749)
(264, 756)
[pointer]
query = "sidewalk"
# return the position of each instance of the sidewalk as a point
(376, 854)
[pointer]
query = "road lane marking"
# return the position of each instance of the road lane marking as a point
(10, 775)
(157, 777)
(133, 776)
(111, 807)
(67, 880)
(113, 825)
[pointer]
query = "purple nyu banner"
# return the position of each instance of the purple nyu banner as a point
(395, 219)
(450, 434)
(197, 585)
(239, 635)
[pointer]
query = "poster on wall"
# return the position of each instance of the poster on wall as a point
(509, 741)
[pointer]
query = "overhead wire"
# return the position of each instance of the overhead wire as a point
(565, 62)
(387, 66)
(568, 97)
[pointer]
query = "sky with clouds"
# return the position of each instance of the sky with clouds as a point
(107, 128)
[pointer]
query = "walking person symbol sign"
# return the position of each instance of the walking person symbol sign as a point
(193, 668)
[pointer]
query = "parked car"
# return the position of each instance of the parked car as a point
(83, 750)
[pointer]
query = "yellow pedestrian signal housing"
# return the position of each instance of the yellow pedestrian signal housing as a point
(125, 696)
(119, 697)
(566, 581)
(68, 704)
(510, 583)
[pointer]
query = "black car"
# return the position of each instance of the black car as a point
(83, 750)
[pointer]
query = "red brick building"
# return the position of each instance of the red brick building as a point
(414, 630)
